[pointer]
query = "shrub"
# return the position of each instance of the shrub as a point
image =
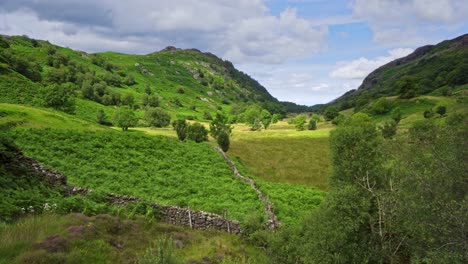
(312, 124)
(382, 106)
(428, 114)
(207, 115)
(181, 127)
(338, 119)
(60, 97)
(389, 129)
(396, 114)
(223, 141)
(150, 100)
(124, 118)
(330, 113)
(220, 124)
(441, 109)
(157, 117)
(101, 117)
(197, 132)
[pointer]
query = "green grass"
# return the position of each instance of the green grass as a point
(33, 117)
(108, 239)
(155, 168)
(299, 160)
(292, 202)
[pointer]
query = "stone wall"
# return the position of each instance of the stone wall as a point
(168, 214)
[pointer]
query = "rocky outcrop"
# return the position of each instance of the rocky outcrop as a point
(272, 222)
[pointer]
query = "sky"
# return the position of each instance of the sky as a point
(302, 51)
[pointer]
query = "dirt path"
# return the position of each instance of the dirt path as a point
(273, 222)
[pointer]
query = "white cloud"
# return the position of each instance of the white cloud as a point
(410, 22)
(360, 68)
(240, 31)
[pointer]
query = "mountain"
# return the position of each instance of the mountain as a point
(185, 82)
(433, 67)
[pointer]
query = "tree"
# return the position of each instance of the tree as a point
(312, 124)
(157, 117)
(407, 87)
(124, 118)
(150, 100)
(382, 106)
(129, 80)
(197, 132)
(396, 114)
(207, 115)
(299, 122)
(181, 128)
(389, 129)
(148, 90)
(101, 116)
(441, 109)
(60, 97)
(275, 118)
(223, 141)
(220, 124)
(331, 112)
(128, 99)
(265, 118)
(428, 114)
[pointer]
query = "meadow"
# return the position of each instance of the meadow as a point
(155, 168)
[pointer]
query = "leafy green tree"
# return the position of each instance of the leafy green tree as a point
(382, 106)
(299, 122)
(151, 100)
(207, 115)
(124, 118)
(338, 119)
(129, 80)
(60, 97)
(407, 87)
(197, 132)
(389, 129)
(128, 99)
(396, 114)
(312, 124)
(223, 141)
(441, 109)
(220, 124)
(275, 118)
(331, 112)
(101, 116)
(157, 117)
(265, 118)
(181, 128)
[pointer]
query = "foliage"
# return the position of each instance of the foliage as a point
(265, 118)
(389, 129)
(161, 252)
(330, 113)
(181, 128)
(60, 97)
(124, 118)
(134, 164)
(150, 100)
(223, 141)
(219, 125)
(197, 132)
(441, 109)
(312, 124)
(381, 106)
(101, 117)
(299, 122)
(157, 117)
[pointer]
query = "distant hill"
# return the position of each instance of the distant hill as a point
(443, 66)
(185, 82)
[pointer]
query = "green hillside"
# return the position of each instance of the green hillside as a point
(441, 68)
(186, 83)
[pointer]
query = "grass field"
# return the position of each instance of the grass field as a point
(108, 239)
(152, 167)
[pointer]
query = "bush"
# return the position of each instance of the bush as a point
(150, 100)
(207, 115)
(197, 132)
(101, 117)
(330, 113)
(389, 129)
(157, 117)
(223, 141)
(428, 114)
(312, 124)
(299, 122)
(124, 118)
(181, 127)
(60, 97)
(441, 109)
(382, 106)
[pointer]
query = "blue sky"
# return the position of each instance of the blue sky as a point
(304, 51)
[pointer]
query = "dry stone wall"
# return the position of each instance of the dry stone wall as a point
(169, 214)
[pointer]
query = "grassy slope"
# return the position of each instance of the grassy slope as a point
(166, 72)
(107, 239)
